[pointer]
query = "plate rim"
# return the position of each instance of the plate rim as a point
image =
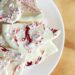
(62, 47)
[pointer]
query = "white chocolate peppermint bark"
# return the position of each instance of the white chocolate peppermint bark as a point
(16, 61)
(21, 35)
(28, 7)
(33, 42)
(25, 36)
(9, 60)
(26, 39)
(9, 11)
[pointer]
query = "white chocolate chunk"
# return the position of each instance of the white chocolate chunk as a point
(28, 7)
(9, 11)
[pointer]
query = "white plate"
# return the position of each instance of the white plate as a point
(55, 20)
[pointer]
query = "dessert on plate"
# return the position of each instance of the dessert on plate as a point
(26, 38)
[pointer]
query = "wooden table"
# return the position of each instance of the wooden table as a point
(66, 65)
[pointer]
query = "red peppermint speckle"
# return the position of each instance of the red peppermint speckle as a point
(54, 30)
(16, 40)
(3, 49)
(29, 63)
(27, 35)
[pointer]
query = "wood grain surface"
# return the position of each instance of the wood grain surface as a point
(66, 65)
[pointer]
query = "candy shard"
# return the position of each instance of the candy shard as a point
(9, 11)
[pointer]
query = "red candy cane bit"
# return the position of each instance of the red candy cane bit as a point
(29, 39)
(54, 30)
(27, 35)
(3, 49)
(29, 63)
(16, 40)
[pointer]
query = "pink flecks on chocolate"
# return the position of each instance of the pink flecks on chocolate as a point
(38, 60)
(16, 40)
(28, 4)
(3, 49)
(23, 39)
(54, 30)
(17, 30)
(29, 63)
